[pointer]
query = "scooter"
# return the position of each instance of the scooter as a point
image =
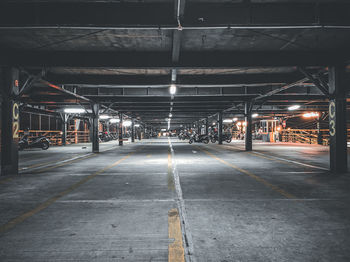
(38, 142)
(225, 137)
(199, 139)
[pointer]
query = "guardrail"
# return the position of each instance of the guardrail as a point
(307, 136)
(55, 136)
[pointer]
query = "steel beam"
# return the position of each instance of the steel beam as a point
(161, 60)
(337, 119)
(160, 15)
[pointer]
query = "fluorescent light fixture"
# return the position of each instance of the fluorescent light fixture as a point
(137, 125)
(105, 117)
(172, 89)
(170, 115)
(74, 110)
(235, 119)
(311, 114)
(127, 123)
(214, 123)
(255, 115)
(227, 121)
(295, 107)
(163, 129)
(114, 120)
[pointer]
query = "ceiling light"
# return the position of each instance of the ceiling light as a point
(170, 115)
(172, 89)
(114, 120)
(104, 117)
(127, 123)
(311, 114)
(74, 110)
(227, 121)
(255, 115)
(295, 107)
(235, 119)
(137, 125)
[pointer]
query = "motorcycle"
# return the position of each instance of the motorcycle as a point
(199, 139)
(38, 142)
(225, 137)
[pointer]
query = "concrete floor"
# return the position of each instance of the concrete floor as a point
(278, 203)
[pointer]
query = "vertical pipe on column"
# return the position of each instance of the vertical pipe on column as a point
(248, 128)
(95, 128)
(133, 130)
(120, 129)
(207, 126)
(220, 128)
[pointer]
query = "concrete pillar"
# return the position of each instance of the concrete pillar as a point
(64, 118)
(120, 129)
(9, 121)
(199, 127)
(220, 128)
(248, 128)
(95, 129)
(133, 130)
(337, 119)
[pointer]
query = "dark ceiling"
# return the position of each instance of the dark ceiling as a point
(125, 54)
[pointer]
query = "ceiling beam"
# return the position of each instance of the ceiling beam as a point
(162, 60)
(158, 15)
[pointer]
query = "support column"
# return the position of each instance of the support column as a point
(133, 130)
(248, 128)
(9, 121)
(220, 128)
(120, 129)
(319, 134)
(207, 126)
(337, 119)
(199, 127)
(64, 118)
(95, 125)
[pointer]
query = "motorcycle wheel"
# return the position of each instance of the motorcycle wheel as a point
(45, 146)
(228, 140)
(213, 141)
(190, 141)
(206, 141)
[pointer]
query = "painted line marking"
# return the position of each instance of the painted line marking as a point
(257, 178)
(278, 159)
(186, 233)
(176, 251)
(12, 223)
(149, 155)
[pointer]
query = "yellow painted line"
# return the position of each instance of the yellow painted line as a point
(42, 164)
(50, 201)
(257, 178)
(63, 164)
(6, 180)
(149, 155)
(279, 159)
(233, 148)
(176, 248)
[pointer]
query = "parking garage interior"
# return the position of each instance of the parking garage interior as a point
(174, 130)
